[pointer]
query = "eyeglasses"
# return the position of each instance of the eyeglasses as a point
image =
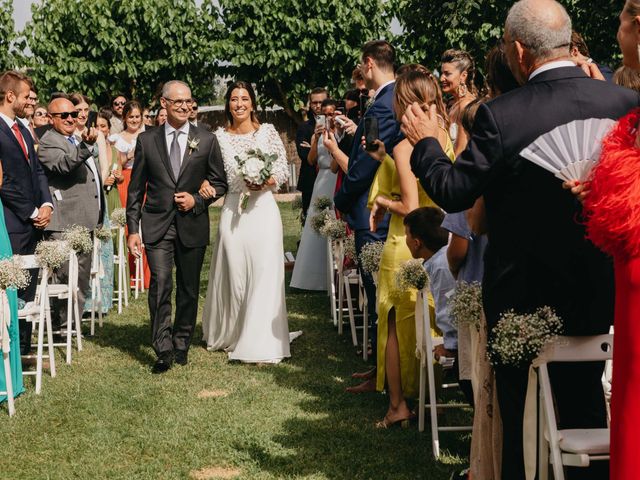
(64, 115)
(178, 102)
(119, 104)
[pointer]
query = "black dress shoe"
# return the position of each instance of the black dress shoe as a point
(163, 363)
(181, 357)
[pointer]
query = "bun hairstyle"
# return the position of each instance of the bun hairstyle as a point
(464, 63)
(415, 83)
(227, 99)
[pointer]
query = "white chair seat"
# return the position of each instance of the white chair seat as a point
(590, 442)
(58, 290)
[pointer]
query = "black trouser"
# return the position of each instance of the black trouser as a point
(363, 237)
(579, 400)
(161, 256)
(24, 243)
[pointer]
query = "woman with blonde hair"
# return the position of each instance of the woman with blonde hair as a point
(396, 190)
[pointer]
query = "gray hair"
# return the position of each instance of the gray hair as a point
(167, 86)
(542, 26)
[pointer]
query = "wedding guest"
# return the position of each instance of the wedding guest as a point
(26, 200)
(82, 105)
(395, 190)
(40, 117)
(29, 110)
(161, 116)
(377, 68)
(580, 55)
(307, 175)
(457, 79)
(525, 267)
(76, 188)
(612, 212)
(147, 118)
(310, 269)
(117, 108)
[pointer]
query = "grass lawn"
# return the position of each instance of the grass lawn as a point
(107, 416)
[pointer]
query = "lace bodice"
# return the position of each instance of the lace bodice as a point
(266, 138)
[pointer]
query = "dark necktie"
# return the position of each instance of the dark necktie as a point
(16, 131)
(174, 154)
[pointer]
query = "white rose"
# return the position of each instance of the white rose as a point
(251, 170)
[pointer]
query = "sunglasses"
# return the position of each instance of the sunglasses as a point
(65, 115)
(40, 114)
(119, 104)
(195, 108)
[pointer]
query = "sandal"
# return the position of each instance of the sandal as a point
(385, 423)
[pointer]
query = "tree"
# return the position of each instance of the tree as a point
(286, 48)
(476, 25)
(103, 46)
(7, 35)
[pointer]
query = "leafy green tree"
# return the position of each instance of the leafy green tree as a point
(476, 25)
(105, 46)
(285, 47)
(7, 35)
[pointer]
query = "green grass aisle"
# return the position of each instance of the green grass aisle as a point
(107, 416)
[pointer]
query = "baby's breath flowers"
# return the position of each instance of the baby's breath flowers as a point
(119, 217)
(350, 248)
(370, 257)
(333, 228)
(466, 304)
(13, 274)
(52, 253)
(518, 339)
(102, 234)
(411, 274)
(322, 203)
(318, 221)
(78, 238)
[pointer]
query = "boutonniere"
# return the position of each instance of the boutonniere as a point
(193, 143)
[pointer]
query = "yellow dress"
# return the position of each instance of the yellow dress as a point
(394, 254)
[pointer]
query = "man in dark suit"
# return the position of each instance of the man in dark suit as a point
(308, 174)
(25, 191)
(377, 66)
(171, 162)
(537, 253)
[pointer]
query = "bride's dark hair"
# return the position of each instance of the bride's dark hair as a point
(227, 98)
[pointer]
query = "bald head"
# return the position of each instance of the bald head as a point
(542, 26)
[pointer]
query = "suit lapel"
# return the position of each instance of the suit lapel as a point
(161, 145)
(5, 128)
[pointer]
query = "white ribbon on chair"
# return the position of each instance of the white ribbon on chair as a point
(420, 314)
(5, 319)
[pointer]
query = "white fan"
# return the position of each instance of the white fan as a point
(571, 150)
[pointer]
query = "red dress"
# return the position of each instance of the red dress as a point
(613, 224)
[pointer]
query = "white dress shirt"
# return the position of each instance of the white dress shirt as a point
(10, 122)
(182, 138)
(381, 87)
(550, 66)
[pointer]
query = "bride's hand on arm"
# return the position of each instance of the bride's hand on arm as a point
(206, 190)
(270, 182)
(378, 211)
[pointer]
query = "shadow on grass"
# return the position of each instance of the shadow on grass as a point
(134, 340)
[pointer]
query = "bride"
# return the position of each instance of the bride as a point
(245, 312)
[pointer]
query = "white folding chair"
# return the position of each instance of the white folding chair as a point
(332, 289)
(37, 312)
(121, 287)
(427, 374)
(69, 292)
(5, 344)
(97, 273)
(571, 447)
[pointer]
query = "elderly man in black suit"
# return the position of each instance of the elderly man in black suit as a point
(537, 253)
(25, 191)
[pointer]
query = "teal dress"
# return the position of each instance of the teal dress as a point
(14, 334)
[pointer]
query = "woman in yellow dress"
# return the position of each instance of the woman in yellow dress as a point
(396, 189)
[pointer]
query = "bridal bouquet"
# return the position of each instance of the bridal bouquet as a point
(52, 253)
(78, 238)
(466, 304)
(411, 274)
(255, 167)
(518, 339)
(13, 274)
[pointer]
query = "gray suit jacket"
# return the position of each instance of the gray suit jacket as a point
(71, 182)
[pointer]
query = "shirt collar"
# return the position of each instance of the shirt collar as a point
(550, 66)
(381, 87)
(168, 129)
(7, 120)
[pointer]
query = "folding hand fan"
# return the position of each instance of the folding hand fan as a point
(571, 150)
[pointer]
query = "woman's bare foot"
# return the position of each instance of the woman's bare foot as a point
(398, 414)
(364, 387)
(369, 374)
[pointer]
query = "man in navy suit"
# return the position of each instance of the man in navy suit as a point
(25, 191)
(377, 67)
(537, 254)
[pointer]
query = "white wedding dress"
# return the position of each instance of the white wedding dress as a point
(245, 312)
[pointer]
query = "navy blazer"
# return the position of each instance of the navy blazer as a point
(537, 253)
(24, 184)
(354, 191)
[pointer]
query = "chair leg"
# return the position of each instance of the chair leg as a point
(422, 397)
(41, 323)
(78, 317)
(69, 326)
(433, 407)
(543, 447)
(340, 302)
(352, 319)
(9, 384)
(93, 307)
(365, 330)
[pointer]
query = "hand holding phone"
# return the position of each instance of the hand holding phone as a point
(370, 133)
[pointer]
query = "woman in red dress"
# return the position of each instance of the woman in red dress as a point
(612, 206)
